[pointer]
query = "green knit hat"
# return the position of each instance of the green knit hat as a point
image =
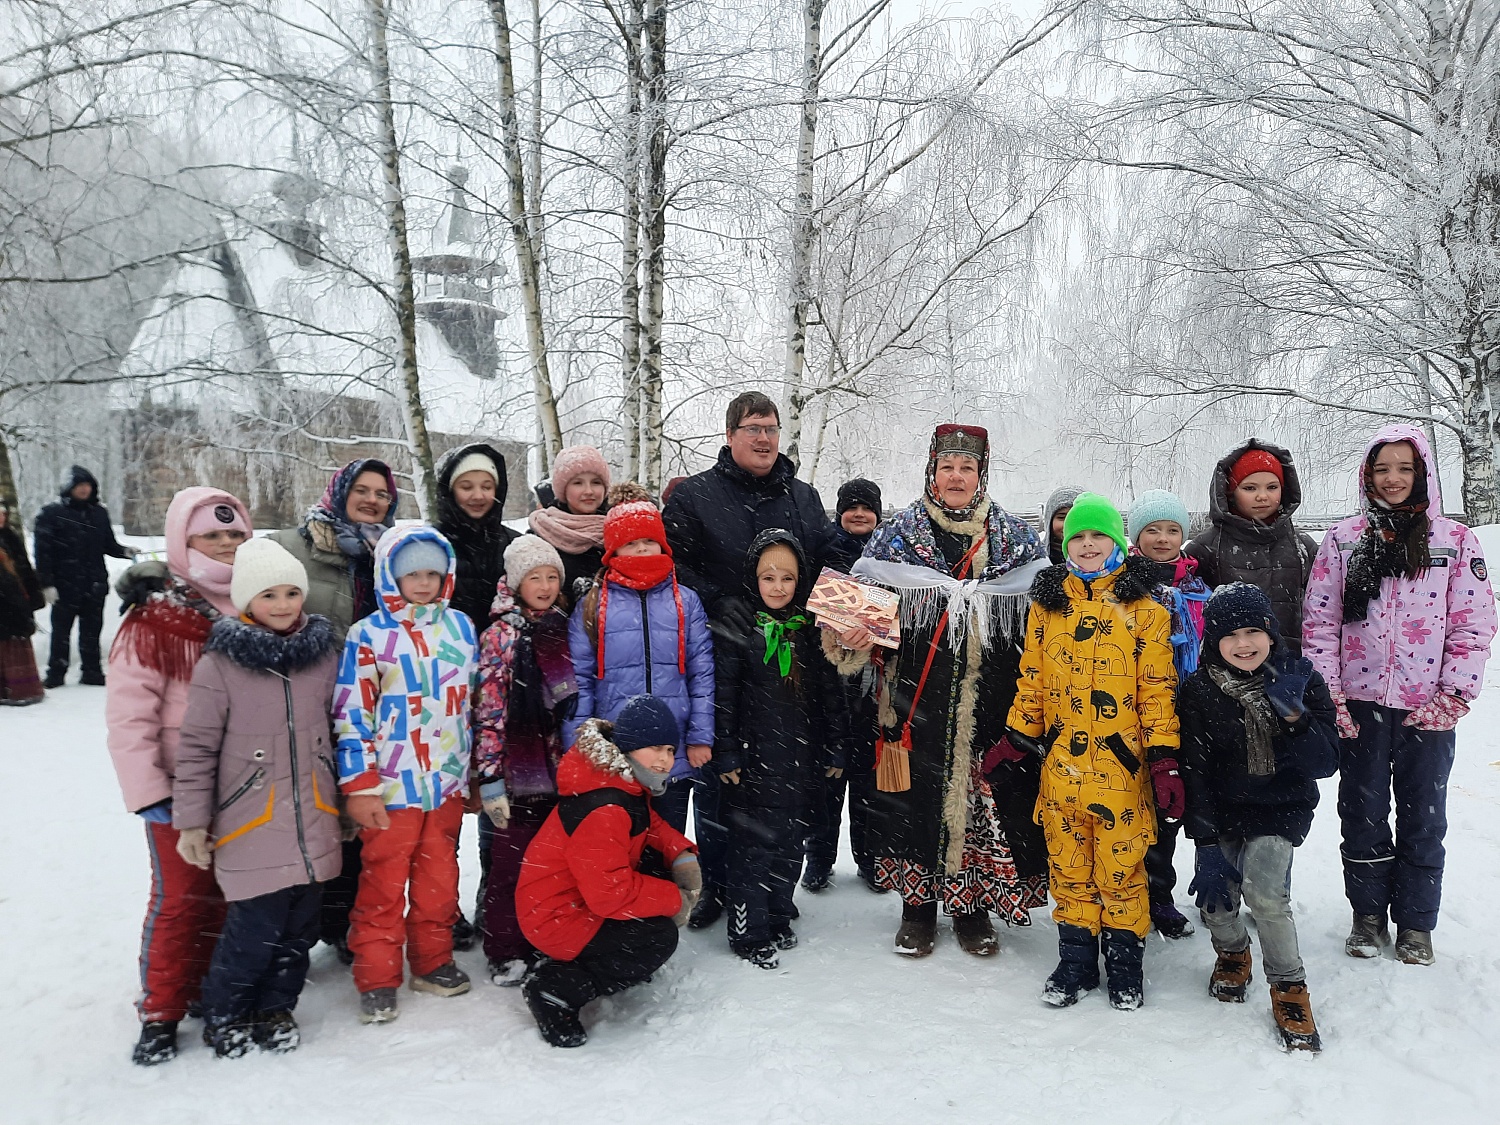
(1092, 512)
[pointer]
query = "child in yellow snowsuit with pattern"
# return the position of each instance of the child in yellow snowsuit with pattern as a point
(1095, 700)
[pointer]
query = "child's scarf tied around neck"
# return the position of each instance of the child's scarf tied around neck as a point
(982, 609)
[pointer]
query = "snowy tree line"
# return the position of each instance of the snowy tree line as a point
(1120, 233)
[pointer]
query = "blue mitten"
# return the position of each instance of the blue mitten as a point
(1212, 873)
(1286, 679)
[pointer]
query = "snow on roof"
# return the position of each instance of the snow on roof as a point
(249, 306)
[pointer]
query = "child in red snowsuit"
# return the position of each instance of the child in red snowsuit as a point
(582, 898)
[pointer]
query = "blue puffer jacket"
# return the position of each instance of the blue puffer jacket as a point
(640, 656)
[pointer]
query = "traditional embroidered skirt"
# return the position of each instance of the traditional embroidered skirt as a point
(19, 682)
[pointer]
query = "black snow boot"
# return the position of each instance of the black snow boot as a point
(867, 876)
(1077, 967)
(1169, 921)
(558, 1023)
(229, 1038)
(157, 1044)
(276, 1032)
(1123, 952)
(708, 911)
(817, 876)
(463, 934)
(93, 677)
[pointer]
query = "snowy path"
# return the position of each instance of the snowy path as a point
(845, 1032)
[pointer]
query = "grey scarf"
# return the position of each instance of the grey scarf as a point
(655, 782)
(1260, 721)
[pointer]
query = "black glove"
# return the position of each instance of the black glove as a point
(735, 614)
(1211, 876)
(1286, 680)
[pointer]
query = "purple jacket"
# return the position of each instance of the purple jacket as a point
(640, 658)
(1422, 635)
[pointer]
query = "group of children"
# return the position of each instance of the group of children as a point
(1211, 684)
(1151, 703)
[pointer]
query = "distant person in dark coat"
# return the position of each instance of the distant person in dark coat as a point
(20, 598)
(711, 519)
(859, 510)
(72, 537)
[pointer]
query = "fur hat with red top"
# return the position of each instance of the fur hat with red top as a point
(953, 438)
(640, 519)
(1254, 461)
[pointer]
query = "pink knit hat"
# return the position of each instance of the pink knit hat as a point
(573, 462)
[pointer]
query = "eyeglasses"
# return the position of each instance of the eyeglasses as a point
(760, 431)
(379, 494)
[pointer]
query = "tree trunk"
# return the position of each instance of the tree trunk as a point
(424, 481)
(653, 233)
(1479, 442)
(799, 286)
(527, 258)
(630, 246)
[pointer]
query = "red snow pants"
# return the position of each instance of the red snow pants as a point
(183, 919)
(408, 895)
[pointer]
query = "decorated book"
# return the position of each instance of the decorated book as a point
(841, 602)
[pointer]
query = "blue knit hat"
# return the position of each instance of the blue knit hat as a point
(645, 721)
(1157, 504)
(419, 554)
(1238, 605)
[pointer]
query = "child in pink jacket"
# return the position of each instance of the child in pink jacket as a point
(150, 667)
(1398, 620)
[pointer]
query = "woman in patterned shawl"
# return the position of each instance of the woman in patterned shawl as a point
(940, 831)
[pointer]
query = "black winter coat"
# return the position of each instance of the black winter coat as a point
(478, 544)
(72, 538)
(20, 593)
(713, 517)
(1222, 798)
(1275, 557)
(780, 732)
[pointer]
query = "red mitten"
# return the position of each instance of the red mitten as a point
(1441, 712)
(1002, 751)
(1347, 727)
(1171, 797)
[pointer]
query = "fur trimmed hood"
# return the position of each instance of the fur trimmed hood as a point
(1132, 582)
(596, 744)
(259, 649)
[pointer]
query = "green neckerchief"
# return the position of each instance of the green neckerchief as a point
(779, 637)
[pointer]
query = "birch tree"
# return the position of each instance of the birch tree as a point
(1336, 173)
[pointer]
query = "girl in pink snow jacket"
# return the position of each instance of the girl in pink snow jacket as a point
(1398, 620)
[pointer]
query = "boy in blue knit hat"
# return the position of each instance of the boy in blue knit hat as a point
(1258, 731)
(1158, 525)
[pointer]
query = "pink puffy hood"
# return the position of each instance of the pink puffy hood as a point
(209, 578)
(1403, 431)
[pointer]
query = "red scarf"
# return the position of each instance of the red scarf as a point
(164, 635)
(641, 572)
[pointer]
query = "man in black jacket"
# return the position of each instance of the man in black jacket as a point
(711, 520)
(72, 537)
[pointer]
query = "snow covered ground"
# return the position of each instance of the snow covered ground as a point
(845, 1032)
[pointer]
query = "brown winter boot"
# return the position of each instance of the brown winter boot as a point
(918, 930)
(976, 934)
(1292, 1008)
(1231, 975)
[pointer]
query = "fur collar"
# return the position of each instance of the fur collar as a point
(594, 744)
(1131, 583)
(261, 650)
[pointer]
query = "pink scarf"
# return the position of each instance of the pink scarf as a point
(569, 533)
